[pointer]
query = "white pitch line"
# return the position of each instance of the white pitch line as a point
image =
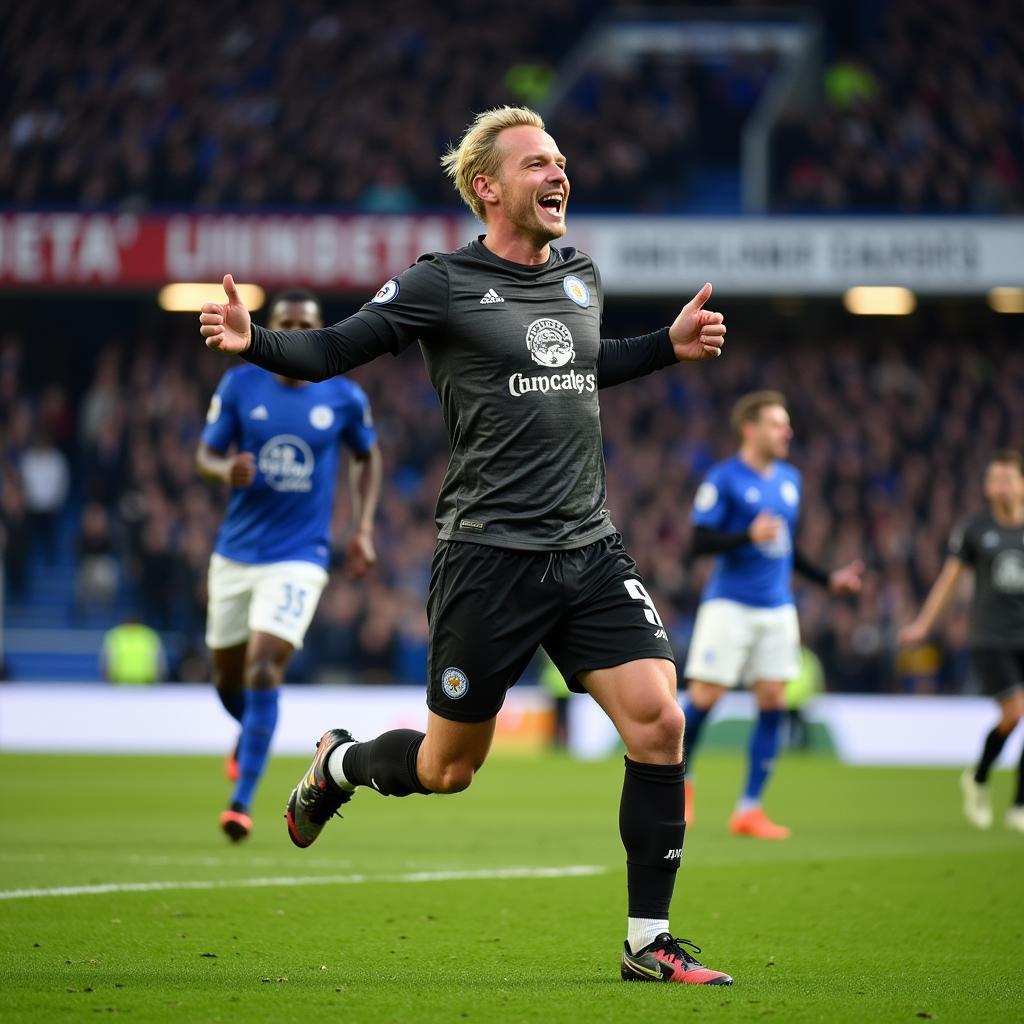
(285, 881)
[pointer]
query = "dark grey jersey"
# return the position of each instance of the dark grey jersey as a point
(517, 359)
(996, 554)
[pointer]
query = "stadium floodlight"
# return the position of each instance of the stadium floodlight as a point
(1006, 300)
(187, 296)
(879, 301)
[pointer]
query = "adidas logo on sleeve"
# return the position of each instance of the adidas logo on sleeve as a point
(491, 297)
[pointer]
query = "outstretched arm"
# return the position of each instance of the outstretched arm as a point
(935, 604)
(696, 334)
(304, 355)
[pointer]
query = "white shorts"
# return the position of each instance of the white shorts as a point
(736, 643)
(278, 598)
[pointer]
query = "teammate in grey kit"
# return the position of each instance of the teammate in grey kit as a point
(992, 544)
(527, 554)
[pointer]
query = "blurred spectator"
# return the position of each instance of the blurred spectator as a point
(14, 533)
(133, 654)
(45, 477)
(97, 575)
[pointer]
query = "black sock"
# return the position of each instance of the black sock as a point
(386, 764)
(1019, 802)
(234, 703)
(651, 823)
(993, 745)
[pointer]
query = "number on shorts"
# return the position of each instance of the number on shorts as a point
(293, 604)
(636, 590)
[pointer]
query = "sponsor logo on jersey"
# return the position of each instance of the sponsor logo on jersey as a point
(751, 494)
(519, 385)
(490, 297)
(286, 463)
(454, 683)
(259, 413)
(321, 416)
(549, 342)
(990, 539)
(387, 292)
(576, 290)
(213, 412)
(1008, 572)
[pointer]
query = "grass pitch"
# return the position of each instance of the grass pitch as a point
(884, 906)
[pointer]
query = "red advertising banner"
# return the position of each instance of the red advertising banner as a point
(103, 250)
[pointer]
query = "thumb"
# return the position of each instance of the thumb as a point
(697, 302)
(230, 290)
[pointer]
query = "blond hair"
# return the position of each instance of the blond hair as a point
(478, 153)
(748, 408)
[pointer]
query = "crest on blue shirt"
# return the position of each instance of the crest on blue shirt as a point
(576, 290)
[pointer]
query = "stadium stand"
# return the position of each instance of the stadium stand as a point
(891, 438)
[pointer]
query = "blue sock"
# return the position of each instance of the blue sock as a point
(764, 745)
(695, 719)
(258, 724)
(234, 704)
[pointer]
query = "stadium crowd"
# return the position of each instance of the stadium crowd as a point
(891, 438)
(926, 117)
(313, 104)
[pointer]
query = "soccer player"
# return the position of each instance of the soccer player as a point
(509, 327)
(746, 631)
(269, 563)
(992, 544)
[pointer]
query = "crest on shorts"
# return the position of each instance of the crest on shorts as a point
(576, 290)
(550, 342)
(454, 683)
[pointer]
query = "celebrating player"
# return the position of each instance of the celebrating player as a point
(269, 563)
(992, 544)
(527, 553)
(746, 631)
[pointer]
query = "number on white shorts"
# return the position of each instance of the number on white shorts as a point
(293, 603)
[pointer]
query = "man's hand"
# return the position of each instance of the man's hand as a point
(360, 555)
(765, 528)
(697, 332)
(846, 580)
(242, 470)
(226, 326)
(912, 635)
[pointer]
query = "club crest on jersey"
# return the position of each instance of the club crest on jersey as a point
(286, 463)
(790, 495)
(454, 683)
(387, 292)
(550, 342)
(576, 290)
(321, 416)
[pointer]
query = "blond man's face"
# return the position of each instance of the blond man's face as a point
(532, 185)
(771, 432)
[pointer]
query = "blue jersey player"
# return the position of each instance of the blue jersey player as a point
(746, 632)
(269, 564)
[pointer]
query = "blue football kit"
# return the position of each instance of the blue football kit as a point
(729, 499)
(294, 433)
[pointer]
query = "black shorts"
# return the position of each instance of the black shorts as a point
(999, 672)
(490, 608)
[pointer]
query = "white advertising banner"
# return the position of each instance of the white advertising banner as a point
(69, 718)
(674, 256)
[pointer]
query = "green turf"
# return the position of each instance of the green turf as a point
(883, 907)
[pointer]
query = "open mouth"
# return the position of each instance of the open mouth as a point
(552, 203)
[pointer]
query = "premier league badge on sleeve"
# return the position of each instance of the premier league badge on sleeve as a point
(576, 290)
(387, 291)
